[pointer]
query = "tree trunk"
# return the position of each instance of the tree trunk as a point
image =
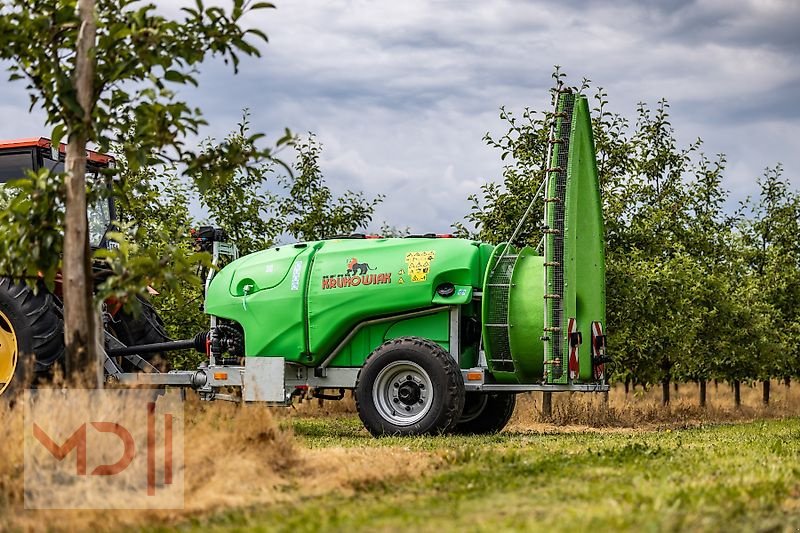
(627, 385)
(737, 394)
(787, 381)
(665, 392)
(716, 384)
(80, 336)
(702, 393)
(675, 386)
(547, 405)
(765, 395)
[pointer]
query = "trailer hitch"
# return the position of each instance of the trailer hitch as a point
(216, 341)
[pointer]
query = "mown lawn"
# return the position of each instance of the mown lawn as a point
(738, 477)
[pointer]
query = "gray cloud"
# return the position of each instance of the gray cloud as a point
(401, 93)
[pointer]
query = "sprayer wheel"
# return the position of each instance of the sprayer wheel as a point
(409, 386)
(486, 413)
(31, 334)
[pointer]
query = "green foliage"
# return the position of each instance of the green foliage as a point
(31, 220)
(772, 250)
(496, 212)
(239, 202)
(134, 45)
(140, 57)
(265, 202)
(308, 208)
(693, 292)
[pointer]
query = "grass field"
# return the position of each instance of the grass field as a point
(628, 465)
(738, 477)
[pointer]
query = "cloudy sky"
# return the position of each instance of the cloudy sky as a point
(401, 93)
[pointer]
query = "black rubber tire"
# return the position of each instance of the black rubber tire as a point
(446, 383)
(39, 328)
(485, 413)
(144, 328)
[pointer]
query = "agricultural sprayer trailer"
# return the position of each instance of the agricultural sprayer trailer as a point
(432, 333)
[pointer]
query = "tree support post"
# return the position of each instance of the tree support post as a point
(547, 405)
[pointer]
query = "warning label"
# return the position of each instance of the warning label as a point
(419, 264)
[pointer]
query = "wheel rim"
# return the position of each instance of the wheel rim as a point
(403, 393)
(9, 354)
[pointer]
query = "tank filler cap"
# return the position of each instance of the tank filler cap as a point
(446, 290)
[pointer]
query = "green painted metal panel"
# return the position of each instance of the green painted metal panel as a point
(526, 317)
(513, 315)
(301, 307)
(589, 238)
(406, 273)
(558, 273)
(435, 327)
(264, 270)
(273, 318)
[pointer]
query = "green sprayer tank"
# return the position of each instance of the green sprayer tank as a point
(511, 318)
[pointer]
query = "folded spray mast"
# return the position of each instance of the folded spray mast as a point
(571, 266)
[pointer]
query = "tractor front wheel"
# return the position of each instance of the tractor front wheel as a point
(486, 412)
(31, 334)
(409, 386)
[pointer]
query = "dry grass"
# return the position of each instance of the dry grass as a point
(643, 409)
(316, 408)
(12, 456)
(638, 409)
(234, 456)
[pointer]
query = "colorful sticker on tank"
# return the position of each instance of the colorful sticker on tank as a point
(357, 273)
(419, 264)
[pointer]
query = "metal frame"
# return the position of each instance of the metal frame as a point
(589, 387)
(334, 378)
(455, 332)
(482, 386)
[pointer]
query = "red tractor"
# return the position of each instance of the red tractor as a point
(31, 323)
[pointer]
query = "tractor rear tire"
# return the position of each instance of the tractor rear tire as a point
(31, 335)
(486, 413)
(409, 386)
(146, 327)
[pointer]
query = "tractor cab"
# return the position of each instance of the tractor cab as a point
(21, 155)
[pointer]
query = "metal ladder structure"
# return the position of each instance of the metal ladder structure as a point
(555, 335)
